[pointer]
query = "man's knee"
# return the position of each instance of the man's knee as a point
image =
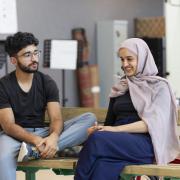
(95, 141)
(90, 117)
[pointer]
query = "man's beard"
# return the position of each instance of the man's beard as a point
(27, 69)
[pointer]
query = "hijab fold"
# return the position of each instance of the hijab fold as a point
(154, 101)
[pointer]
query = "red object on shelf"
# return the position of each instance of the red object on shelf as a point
(95, 89)
(84, 84)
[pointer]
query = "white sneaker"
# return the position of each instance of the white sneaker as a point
(23, 152)
(27, 153)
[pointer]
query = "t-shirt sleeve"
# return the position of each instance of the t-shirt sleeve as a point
(52, 91)
(4, 100)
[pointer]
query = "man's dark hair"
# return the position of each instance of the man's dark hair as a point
(19, 41)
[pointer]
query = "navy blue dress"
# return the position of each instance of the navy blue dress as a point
(105, 153)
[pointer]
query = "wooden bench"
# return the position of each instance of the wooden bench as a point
(66, 166)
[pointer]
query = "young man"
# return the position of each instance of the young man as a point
(25, 94)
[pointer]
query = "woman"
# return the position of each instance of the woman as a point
(140, 126)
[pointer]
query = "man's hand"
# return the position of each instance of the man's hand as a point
(48, 146)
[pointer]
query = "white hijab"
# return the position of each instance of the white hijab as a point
(154, 101)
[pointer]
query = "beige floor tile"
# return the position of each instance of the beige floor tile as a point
(44, 175)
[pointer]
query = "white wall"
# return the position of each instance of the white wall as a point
(172, 14)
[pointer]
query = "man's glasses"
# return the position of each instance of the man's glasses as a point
(29, 55)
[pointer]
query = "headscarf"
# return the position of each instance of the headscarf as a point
(154, 101)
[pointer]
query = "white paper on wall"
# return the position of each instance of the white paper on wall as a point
(63, 54)
(8, 17)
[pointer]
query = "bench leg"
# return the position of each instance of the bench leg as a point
(127, 176)
(63, 171)
(30, 174)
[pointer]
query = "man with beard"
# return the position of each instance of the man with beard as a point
(25, 94)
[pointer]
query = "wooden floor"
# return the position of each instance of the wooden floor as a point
(44, 175)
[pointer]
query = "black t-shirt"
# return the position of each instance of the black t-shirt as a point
(28, 107)
(120, 108)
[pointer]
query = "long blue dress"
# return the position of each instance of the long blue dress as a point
(105, 153)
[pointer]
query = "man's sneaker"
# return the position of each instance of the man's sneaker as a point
(70, 152)
(27, 153)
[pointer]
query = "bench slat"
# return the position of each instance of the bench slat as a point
(171, 170)
(154, 170)
(65, 163)
(70, 112)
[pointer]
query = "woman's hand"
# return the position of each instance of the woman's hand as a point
(101, 128)
(92, 129)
